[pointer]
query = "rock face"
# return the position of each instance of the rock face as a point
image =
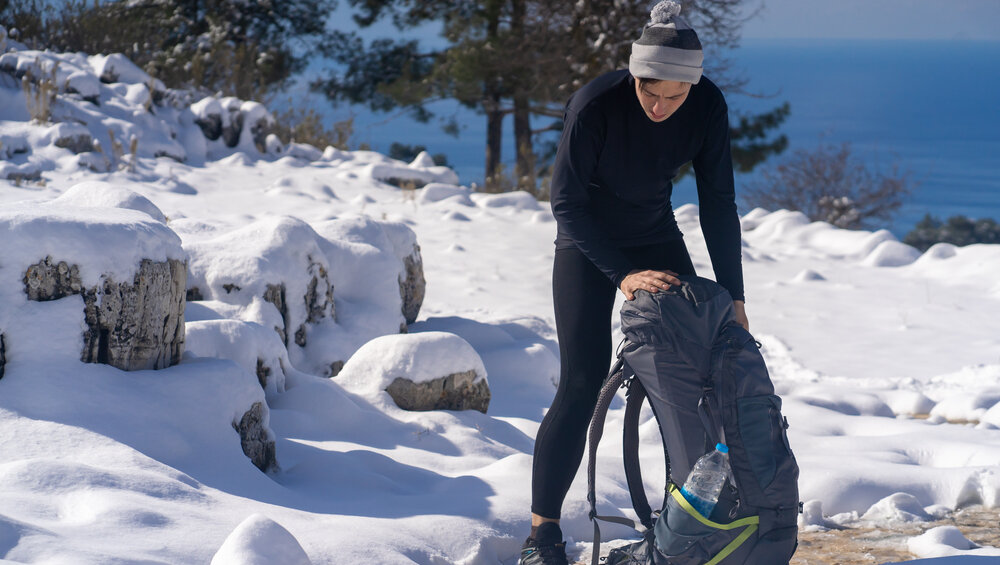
(130, 325)
(256, 442)
(458, 391)
(412, 285)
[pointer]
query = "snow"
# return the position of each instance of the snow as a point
(99, 194)
(102, 240)
(945, 541)
(887, 360)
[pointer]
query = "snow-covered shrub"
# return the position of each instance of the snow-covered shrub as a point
(829, 184)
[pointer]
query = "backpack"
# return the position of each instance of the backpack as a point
(706, 382)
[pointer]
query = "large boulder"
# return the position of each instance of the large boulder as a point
(423, 371)
(128, 269)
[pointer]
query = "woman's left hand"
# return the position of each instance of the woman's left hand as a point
(741, 314)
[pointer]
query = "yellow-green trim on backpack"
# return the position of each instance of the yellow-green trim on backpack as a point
(750, 523)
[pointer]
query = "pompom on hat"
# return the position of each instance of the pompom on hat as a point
(668, 48)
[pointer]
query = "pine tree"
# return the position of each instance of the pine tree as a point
(523, 58)
(245, 48)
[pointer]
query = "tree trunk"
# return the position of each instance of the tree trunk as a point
(525, 150)
(494, 139)
(491, 105)
(524, 171)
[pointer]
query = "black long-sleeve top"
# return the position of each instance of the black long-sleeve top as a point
(613, 171)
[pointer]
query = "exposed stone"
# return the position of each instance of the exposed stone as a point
(260, 131)
(51, 281)
(3, 354)
(319, 294)
(405, 183)
(77, 143)
(23, 175)
(211, 126)
(194, 294)
(458, 391)
(230, 287)
(231, 131)
(275, 294)
(139, 325)
(335, 368)
(412, 285)
(131, 326)
(179, 157)
(263, 372)
(254, 438)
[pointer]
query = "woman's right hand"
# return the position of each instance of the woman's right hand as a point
(652, 281)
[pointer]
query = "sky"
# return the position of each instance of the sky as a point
(877, 19)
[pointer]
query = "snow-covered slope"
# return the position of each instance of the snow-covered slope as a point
(888, 361)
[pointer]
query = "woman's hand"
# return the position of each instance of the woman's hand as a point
(652, 281)
(741, 314)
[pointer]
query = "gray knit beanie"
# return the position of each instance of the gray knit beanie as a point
(668, 48)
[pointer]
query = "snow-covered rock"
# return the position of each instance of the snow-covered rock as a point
(252, 346)
(891, 254)
(898, 507)
(946, 541)
(102, 194)
(415, 175)
(303, 151)
(518, 200)
(128, 268)
(258, 540)
(277, 259)
(438, 192)
(119, 68)
(425, 371)
(74, 137)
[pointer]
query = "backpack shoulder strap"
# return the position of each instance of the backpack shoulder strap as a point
(633, 473)
(615, 380)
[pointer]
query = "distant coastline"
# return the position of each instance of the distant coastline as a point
(929, 106)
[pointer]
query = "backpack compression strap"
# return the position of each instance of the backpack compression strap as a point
(611, 386)
(634, 398)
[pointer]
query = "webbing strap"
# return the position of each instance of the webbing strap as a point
(596, 555)
(630, 442)
(594, 434)
(750, 523)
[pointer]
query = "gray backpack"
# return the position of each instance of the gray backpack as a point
(706, 382)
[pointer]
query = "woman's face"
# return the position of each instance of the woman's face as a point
(662, 98)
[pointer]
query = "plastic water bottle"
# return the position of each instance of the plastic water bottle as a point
(706, 480)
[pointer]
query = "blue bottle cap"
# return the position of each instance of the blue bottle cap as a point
(722, 447)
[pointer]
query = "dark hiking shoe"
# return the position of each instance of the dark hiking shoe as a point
(546, 548)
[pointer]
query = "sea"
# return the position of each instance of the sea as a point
(930, 108)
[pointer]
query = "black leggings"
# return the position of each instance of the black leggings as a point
(583, 298)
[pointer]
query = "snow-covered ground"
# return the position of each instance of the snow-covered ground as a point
(888, 360)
